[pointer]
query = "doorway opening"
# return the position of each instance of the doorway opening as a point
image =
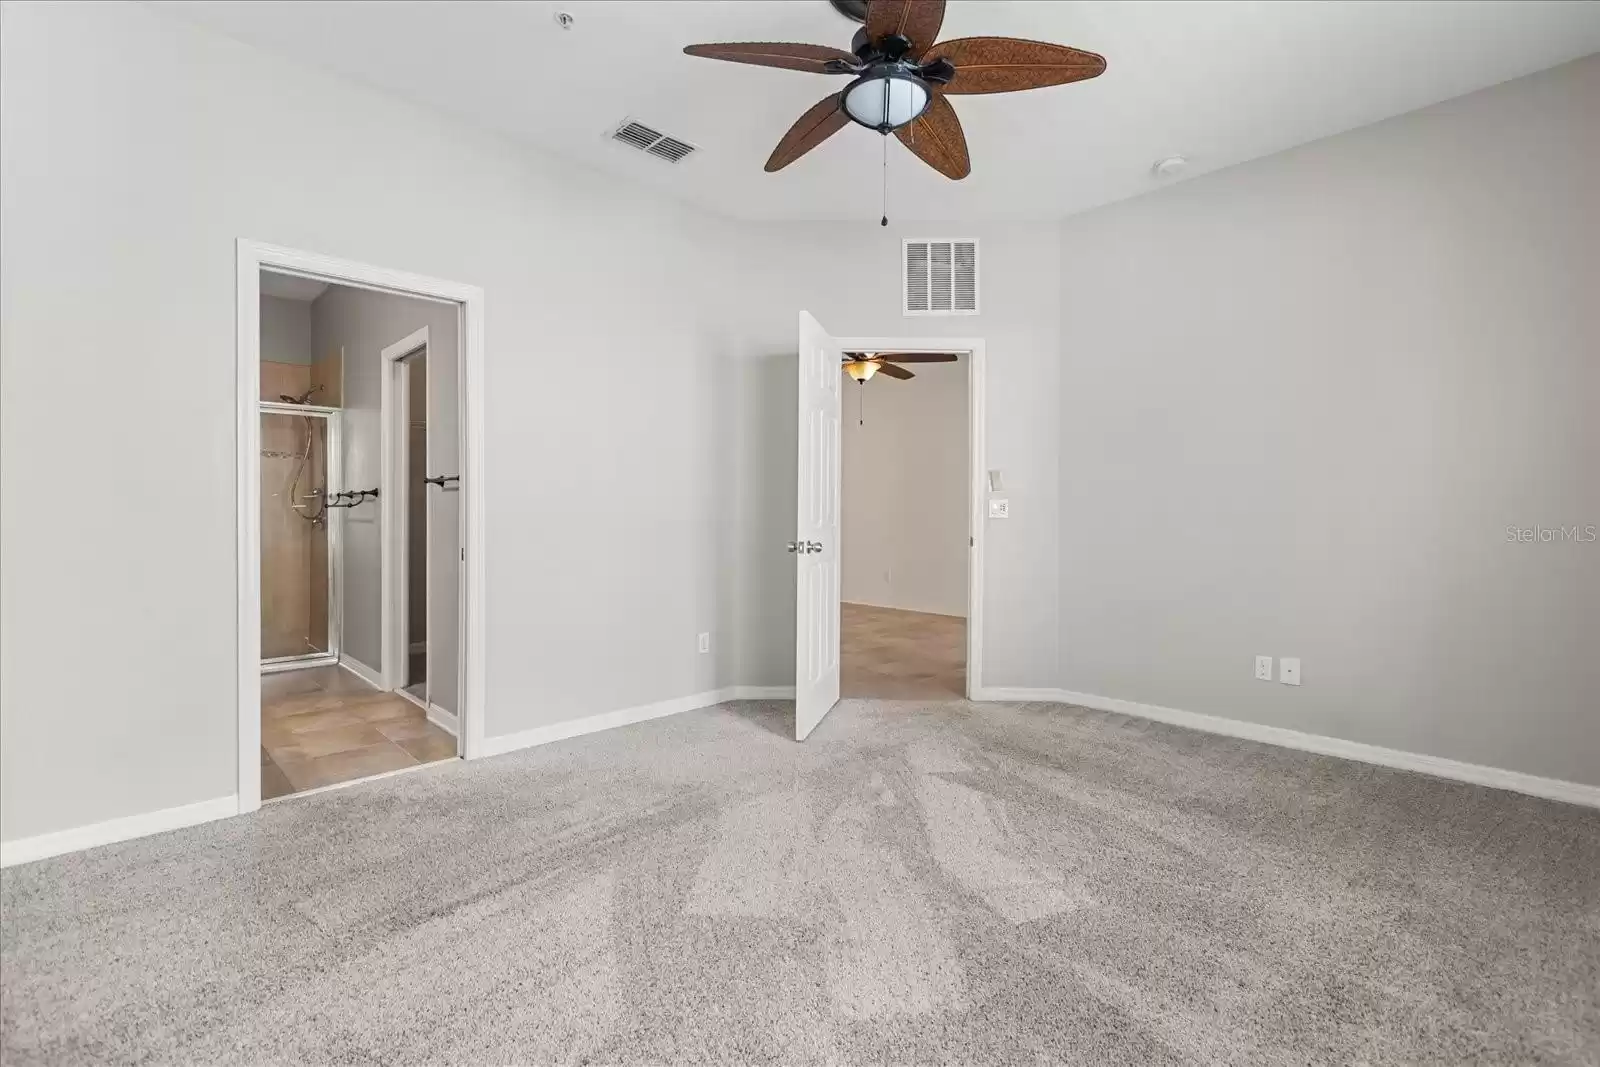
(824, 370)
(904, 526)
(359, 391)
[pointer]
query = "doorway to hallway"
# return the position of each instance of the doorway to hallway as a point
(917, 621)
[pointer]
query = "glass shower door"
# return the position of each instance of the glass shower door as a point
(296, 567)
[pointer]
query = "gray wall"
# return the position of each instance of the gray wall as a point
(285, 330)
(906, 491)
(361, 324)
(605, 394)
(1284, 409)
(1300, 402)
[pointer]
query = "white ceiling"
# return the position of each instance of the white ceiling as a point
(291, 287)
(1218, 82)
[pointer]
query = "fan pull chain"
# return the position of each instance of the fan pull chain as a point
(885, 220)
(861, 405)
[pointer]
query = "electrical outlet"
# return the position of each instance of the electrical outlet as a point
(705, 642)
(1263, 668)
(1289, 670)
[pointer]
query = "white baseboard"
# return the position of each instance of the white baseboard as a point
(306, 664)
(560, 731)
(28, 849)
(362, 671)
(902, 607)
(444, 720)
(759, 692)
(1437, 766)
(1013, 693)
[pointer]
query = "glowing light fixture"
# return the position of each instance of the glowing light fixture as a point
(862, 369)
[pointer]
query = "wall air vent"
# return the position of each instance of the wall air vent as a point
(652, 141)
(941, 276)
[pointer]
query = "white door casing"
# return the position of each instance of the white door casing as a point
(251, 258)
(816, 544)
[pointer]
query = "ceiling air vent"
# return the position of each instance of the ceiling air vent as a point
(941, 277)
(652, 141)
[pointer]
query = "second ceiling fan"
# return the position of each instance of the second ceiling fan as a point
(902, 78)
(863, 365)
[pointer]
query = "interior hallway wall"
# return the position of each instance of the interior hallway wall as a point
(906, 491)
(606, 388)
(1305, 403)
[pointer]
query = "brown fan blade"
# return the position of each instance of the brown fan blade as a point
(1008, 64)
(825, 119)
(916, 20)
(894, 372)
(815, 58)
(936, 136)
(919, 357)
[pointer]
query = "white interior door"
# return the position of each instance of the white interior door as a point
(816, 544)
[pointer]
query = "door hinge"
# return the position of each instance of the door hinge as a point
(463, 555)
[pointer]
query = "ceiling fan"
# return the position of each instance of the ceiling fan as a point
(902, 78)
(863, 365)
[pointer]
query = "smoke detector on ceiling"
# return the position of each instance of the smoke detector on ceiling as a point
(652, 141)
(1170, 167)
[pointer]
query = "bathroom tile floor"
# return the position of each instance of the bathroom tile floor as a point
(324, 725)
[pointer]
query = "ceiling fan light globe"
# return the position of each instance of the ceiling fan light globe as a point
(885, 100)
(861, 369)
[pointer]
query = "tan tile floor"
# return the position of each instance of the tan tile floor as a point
(325, 725)
(901, 655)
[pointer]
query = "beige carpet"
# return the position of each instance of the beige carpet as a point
(950, 883)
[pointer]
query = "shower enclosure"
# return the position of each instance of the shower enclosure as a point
(299, 534)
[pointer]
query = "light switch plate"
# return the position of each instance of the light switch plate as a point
(1289, 670)
(999, 509)
(996, 482)
(705, 642)
(1263, 668)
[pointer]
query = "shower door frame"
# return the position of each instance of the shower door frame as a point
(333, 454)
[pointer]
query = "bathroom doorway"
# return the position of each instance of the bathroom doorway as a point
(358, 663)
